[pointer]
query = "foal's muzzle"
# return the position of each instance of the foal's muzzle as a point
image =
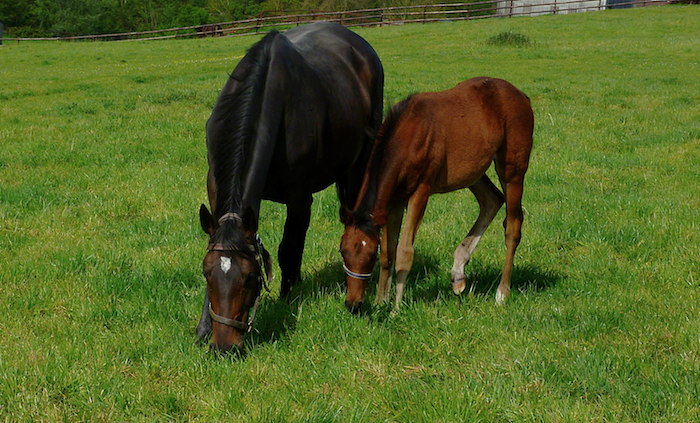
(354, 307)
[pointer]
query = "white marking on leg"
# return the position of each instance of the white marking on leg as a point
(500, 297)
(225, 264)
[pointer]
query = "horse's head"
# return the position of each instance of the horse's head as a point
(358, 246)
(234, 267)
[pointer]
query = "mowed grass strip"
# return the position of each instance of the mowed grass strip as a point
(102, 170)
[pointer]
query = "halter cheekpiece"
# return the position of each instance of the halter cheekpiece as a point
(256, 248)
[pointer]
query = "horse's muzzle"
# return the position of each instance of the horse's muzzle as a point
(225, 349)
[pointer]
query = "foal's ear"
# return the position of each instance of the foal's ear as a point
(206, 220)
(344, 214)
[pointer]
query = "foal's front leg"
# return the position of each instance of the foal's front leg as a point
(404, 255)
(387, 257)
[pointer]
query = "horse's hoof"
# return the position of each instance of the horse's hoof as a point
(459, 286)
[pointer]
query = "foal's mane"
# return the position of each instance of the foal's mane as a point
(236, 115)
(386, 131)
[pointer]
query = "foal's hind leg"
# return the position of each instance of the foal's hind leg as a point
(513, 225)
(511, 168)
(490, 201)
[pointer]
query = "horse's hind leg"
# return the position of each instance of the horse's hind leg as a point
(490, 201)
(291, 248)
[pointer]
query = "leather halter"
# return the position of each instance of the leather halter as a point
(257, 249)
(360, 276)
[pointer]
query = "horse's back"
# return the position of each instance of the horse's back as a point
(343, 63)
(334, 93)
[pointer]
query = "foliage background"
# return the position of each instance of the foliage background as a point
(26, 18)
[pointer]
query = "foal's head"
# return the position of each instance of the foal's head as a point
(358, 246)
(234, 271)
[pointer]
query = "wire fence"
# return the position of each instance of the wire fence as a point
(399, 15)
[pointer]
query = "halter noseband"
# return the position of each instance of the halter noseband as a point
(360, 276)
(257, 249)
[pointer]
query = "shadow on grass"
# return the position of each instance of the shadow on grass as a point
(433, 281)
(278, 316)
(427, 281)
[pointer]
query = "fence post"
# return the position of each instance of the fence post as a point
(1, 27)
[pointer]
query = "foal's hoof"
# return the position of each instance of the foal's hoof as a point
(459, 286)
(500, 297)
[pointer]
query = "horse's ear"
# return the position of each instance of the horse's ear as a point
(250, 223)
(344, 214)
(206, 220)
(268, 264)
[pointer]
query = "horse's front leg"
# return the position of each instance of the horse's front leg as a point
(291, 248)
(204, 326)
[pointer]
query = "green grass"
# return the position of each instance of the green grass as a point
(102, 170)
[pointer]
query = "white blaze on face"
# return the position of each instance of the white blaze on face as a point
(225, 264)
(364, 243)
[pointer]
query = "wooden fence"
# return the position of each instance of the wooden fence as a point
(268, 21)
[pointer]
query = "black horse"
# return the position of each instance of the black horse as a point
(295, 116)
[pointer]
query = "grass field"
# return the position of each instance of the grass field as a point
(102, 171)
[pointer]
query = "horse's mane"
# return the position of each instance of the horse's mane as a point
(236, 115)
(364, 208)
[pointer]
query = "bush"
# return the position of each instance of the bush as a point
(509, 38)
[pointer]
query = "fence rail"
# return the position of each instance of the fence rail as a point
(398, 15)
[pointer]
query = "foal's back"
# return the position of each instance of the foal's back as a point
(460, 131)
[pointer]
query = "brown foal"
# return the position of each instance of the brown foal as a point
(438, 142)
